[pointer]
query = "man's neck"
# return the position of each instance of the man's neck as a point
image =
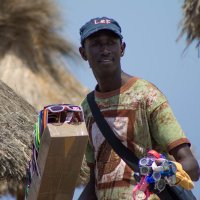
(112, 83)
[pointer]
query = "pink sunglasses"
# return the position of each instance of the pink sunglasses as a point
(60, 113)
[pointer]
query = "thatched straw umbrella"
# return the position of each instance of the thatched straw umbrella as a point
(17, 118)
(32, 56)
(190, 24)
(31, 51)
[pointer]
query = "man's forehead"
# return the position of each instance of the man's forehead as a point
(105, 32)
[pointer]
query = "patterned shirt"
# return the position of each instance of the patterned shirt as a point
(142, 119)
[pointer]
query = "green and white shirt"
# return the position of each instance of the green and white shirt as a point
(142, 119)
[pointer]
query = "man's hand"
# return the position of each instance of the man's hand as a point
(184, 156)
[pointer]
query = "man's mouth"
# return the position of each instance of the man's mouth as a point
(105, 61)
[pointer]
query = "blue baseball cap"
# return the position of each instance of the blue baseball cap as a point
(97, 24)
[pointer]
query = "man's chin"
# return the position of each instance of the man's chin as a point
(106, 71)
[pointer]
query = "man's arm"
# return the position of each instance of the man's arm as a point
(89, 190)
(184, 156)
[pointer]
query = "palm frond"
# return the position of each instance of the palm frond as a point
(16, 126)
(190, 24)
(30, 30)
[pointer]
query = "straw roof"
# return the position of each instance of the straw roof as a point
(190, 24)
(17, 118)
(41, 88)
(31, 53)
(30, 30)
(33, 62)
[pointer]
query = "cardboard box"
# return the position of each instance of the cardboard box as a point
(60, 157)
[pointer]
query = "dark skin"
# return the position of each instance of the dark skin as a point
(103, 51)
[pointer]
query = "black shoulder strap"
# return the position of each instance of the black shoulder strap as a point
(127, 155)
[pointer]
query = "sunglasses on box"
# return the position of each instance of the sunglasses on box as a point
(62, 113)
(62, 107)
(56, 114)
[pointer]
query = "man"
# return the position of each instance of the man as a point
(135, 109)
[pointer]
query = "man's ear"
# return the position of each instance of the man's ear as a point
(82, 52)
(123, 47)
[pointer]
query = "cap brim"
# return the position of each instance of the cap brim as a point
(92, 31)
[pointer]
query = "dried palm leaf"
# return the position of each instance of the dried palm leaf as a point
(16, 127)
(30, 30)
(190, 24)
(30, 56)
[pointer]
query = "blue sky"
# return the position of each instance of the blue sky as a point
(150, 30)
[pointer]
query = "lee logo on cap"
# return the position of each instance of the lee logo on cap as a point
(102, 21)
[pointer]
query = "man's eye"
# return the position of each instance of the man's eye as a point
(94, 44)
(111, 42)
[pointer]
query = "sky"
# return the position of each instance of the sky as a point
(150, 30)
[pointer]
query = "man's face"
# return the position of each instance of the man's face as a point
(103, 51)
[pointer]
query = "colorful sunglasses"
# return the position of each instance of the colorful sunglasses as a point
(62, 113)
(32, 169)
(62, 107)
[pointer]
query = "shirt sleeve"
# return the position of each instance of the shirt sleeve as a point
(165, 128)
(89, 154)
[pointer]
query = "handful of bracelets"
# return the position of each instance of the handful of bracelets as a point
(156, 171)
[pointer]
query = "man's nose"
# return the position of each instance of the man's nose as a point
(105, 49)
